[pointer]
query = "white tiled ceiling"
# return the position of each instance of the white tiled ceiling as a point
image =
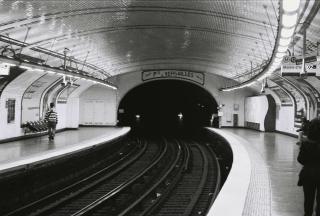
(223, 37)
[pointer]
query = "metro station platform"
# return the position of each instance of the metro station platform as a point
(272, 185)
(32, 150)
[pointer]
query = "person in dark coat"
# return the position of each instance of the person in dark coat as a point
(309, 177)
(303, 130)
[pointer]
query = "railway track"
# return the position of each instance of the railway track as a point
(127, 197)
(166, 177)
(119, 160)
(211, 185)
(190, 188)
(109, 185)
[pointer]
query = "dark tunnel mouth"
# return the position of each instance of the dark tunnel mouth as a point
(167, 105)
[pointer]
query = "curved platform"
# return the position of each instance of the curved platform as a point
(272, 185)
(28, 151)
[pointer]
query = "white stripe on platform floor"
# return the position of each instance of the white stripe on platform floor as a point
(232, 196)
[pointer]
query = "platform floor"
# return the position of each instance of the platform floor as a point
(32, 149)
(273, 189)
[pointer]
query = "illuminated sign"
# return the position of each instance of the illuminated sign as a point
(292, 66)
(4, 69)
(196, 77)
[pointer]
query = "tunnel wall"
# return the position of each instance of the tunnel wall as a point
(233, 101)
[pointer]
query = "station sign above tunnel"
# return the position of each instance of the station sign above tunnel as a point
(196, 77)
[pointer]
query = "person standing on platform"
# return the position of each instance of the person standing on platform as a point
(51, 118)
(309, 177)
(303, 130)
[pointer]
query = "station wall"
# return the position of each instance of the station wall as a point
(255, 111)
(28, 108)
(284, 115)
(98, 106)
(92, 104)
(285, 120)
(31, 99)
(14, 91)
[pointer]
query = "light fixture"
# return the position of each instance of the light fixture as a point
(284, 41)
(280, 55)
(272, 68)
(289, 17)
(262, 77)
(10, 64)
(52, 70)
(25, 67)
(289, 20)
(270, 72)
(38, 69)
(277, 61)
(290, 5)
(287, 32)
(282, 49)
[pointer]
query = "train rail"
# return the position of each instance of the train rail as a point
(110, 185)
(195, 191)
(165, 177)
(117, 162)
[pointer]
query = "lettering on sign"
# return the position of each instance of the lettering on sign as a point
(289, 59)
(196, 77)
(307, 60)
(292, 66)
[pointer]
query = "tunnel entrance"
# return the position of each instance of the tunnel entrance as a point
(167, 105)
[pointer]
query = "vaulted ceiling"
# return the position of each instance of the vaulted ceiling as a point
(107, 38)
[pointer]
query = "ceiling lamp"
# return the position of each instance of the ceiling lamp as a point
(57, 71)
(277, 60)
(280, 55)
(290, 6)
(289, 20)
(282, 49)
(284, 42)
(25, 67)
(286, 33)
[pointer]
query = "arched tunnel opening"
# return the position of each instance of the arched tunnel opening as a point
(167, 105)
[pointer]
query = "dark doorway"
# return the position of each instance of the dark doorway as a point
(167, 105)
(235, 120)
(270, 119)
